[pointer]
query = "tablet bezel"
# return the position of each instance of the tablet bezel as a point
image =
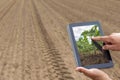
(74, 47)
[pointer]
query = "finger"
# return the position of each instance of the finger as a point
(102, 38)
(109, 47)
(88, 72)
(115, 34)
(82, 69)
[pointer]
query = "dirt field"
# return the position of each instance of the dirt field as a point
(34, 43)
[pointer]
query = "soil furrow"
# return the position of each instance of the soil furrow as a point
(5, 11)
(52, 55)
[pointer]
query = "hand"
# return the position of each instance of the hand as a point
(112, 41)
(94, 74)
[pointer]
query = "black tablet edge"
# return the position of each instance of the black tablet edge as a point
(77, 61)
(70, 31)
(100, 66)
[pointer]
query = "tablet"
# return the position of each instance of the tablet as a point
(88, 53)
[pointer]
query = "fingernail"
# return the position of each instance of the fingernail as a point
(76, 69)
(103, 47)
(92, 36)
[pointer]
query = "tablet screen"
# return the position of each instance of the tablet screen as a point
(90, 51)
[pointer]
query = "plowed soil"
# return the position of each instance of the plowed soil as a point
(34, 43)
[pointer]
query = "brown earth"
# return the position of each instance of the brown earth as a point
(92, 59)
(34, 43)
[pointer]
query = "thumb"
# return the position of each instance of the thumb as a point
(82, 70)
(94, 74)
(88, 72)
